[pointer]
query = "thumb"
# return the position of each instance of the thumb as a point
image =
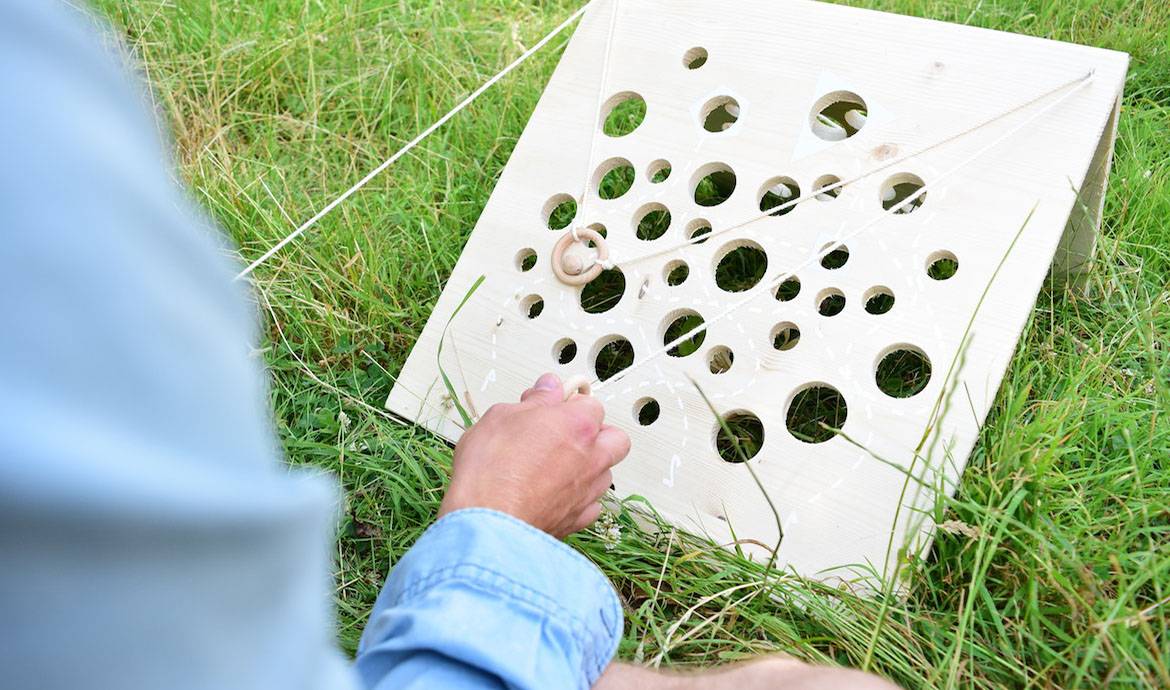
(547, 391)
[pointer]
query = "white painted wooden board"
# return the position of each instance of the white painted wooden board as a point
(922, 82)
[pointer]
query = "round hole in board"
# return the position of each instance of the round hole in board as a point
(698, 229)
(788, 290)
(713, 184)
(838, 115)
(676, 272)
(658, 171)
(532, 306)
(815, 412)
(826, 181)
(903, 372)
(624, 112)
(614, 355)
(785, 336)
(834, 258)
(525, 259)
(878, 300)
(651, 221)
(720, 359)
(741, 267)
(603, 292)
(646, 411)
(779, 193)
(898, 189)
(676, 325)
(739, 437)
(695, 58)
(830, 302)
(564, 351)
(559, 211)
(613, 178)
(942, 265)
(719, 114)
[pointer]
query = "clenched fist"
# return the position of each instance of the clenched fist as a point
(543, 460)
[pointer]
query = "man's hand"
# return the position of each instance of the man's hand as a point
(544, 460)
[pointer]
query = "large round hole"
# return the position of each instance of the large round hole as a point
(720, 359)
(719, 113)
(653, 222)
(879, 300)
(676, 273)
(821, 185)
(559, 211)
(815, 413)
(603, 292)
(785, 336)
(613, 357)
(658, 171)
(713, 184)
(565, 350)
(942, 265)
(788, 290)
(835, 258)
(695, 58)
(623, 114)
(525, 259)
(679, 324)
(830, 302)
(742, 268)
(898, 190)
(838, 115)
(740, 436)
(646, 411)
(779, 193)
(903, 372)
(697, 230)
(532, 306)
(614, 178)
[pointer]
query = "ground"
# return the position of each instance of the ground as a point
(1052, 568)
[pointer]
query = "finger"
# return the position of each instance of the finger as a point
(613, 445)
(587, 517)
(546, 391)
(600, 485)
(588, 406)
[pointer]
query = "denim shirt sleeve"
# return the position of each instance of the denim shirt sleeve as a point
(484, 600)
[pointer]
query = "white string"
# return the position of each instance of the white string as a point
(776, 210)
(597, 124)
(414, 142)
(767, 288)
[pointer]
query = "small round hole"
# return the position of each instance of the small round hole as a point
(623, 114)
(903, 373)
(678, 324)
(720, 113)
(815, 413)
(646, 411)
(740, 436)
(603, 292)
(713, 184)
(532, 306)
(676, 273)
(695, 58)
(785, 336)
(788, 290)
(826, 181)
(838, 115)
(742, 268)
(779, 193)
(525, 259)
(658, 171)
(565, 351)
(898, 189)
(942, 265)
(698, 229)
(559, 211)
(830, 302)
(614, 178)
(614, 355)
(720, 359)
(835, 258)
(879, 300)
(653, 222)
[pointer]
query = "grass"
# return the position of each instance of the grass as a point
(1052, 567)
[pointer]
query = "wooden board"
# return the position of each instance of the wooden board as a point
(996, 150)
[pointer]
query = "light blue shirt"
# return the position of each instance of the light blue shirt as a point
(150, 536)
